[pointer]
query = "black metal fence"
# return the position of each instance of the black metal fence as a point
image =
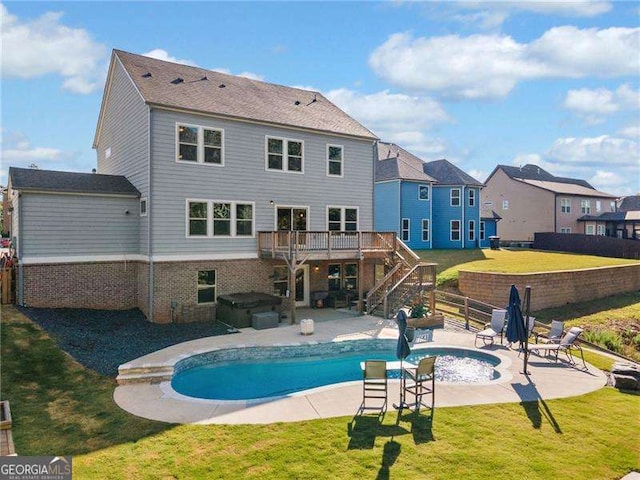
(588, 244)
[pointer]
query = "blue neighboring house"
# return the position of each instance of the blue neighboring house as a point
(429, 204)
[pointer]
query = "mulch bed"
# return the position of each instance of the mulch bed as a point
(103, 339)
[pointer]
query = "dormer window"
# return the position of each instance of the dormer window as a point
(196, 144)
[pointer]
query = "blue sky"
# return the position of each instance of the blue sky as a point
(479, 83)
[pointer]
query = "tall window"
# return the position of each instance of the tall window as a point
(196, 144)
(143, 207)
(472, 230)
(505, 204)
(404, 231)
(206, 286)
(482, 230)
(472, 197)
(284, 154)
(454, 197)
(334, 160)
(350, 276)
(423, 192)
(600, 230)
(565, 205)
(454, 231)
(210, 218)
(598, 206)
(280, 280)
(342, 219)
(335, 276)
(425, 230)
(585, 207)
(612, 206)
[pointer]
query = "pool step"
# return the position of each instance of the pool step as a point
(150, 374)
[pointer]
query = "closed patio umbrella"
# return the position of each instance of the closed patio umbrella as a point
(516, 328)
(402, 351)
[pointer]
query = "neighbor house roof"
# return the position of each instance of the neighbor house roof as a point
(395, 163)
(612, 217)
(489, 214)
(205, 91)
(630, 203)
(534, 172)
(567, 188)
(70, 182)
(447, 173)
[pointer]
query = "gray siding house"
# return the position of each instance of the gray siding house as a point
(236, 185)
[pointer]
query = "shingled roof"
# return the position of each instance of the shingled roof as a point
(534, 172)
(71, 182)
(199, 90)
(630, 203)
(395, 163)
(446, 173)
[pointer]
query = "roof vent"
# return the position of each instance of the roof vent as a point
(205, 77)
(315, 99)
(147, 75)
(297, 102)
(222, 85)
(177, 81)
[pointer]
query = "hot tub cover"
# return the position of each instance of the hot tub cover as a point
(249, 300)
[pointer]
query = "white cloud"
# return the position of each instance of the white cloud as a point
(632, 131)
(594, 104)
(160, 54)
(525, 158)
(480, 175)
(249, 75)
(488, 66)
(44, 46)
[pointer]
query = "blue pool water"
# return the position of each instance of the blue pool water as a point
(260, 378)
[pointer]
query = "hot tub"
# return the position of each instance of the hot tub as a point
(236, 309)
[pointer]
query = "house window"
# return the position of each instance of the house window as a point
(454, 230)
(565, 205)
(585, 206)
(143, 207)
(454, 197)
(598, 206)
(600, 230)
(351, 276)
(565, 230)
(472, 230)
(280, 280)
(206, 286)
(425, 230)
(210, 218)
(334, 276)
(284, 154)
(505, 204)
(342, 219)
(198, 217)
(482, 230)
(590, 230)
(472, 197)
(334, 160)
(404, 231)
(197, 144)
(423, 192)
(612, 206)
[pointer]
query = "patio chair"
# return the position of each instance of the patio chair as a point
(374, 385)
(567, 344)
(492, 329)
(420, 381)
(553, 335)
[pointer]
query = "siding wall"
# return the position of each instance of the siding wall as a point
(443, 213)
(415, 210)
(244, 178)
(67, 225)
(570, 220)
(387, 210)
(125, 131)
(490, 227)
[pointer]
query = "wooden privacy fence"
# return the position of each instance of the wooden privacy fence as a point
(6, 285)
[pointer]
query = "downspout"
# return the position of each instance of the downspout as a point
(399, 231)
(463, 201)
(555, 214)
(150, 204)
(431, 216)
(20, 267)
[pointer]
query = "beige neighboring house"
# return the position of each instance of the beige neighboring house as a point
(530, 199)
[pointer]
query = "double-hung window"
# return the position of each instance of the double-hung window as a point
(404, 231)
(423, 192)
(565, 229)
(350, 280)
(454, 198)
(472, 197)
(600, 230)
(454, 230)
(472, 230)
(598, 206)
(585, 207)
(280, 280)
(482, 230)
(342, 276)
(212, 218)
(143, 207)
(425, 229)
(196, 144)
(590, 230)
(505, 204)
(206, 286)
(335, 160)
(565, 205)
(284, 155)
(342, 219)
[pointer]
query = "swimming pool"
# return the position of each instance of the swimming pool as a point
(253, 372)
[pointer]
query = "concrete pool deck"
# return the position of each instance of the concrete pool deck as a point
(158, 401)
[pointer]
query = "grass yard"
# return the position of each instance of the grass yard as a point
(59, 407)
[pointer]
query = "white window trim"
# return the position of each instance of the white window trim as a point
(146, 206)
(505, 204)
(590, 229)
(567, 206)
(210, 235)
(585, 207)
(482, 232)
(428, 192)
(460, 202)
(200, 152)
(299, 207)
(408, 229)
(342, 217)
(285, 149)
(328, 161)
(215, 286)
(565, 229)
(428, 230)
(472, 197)
(601, 230)
(345, 276)
(458, 230)
(472, 231)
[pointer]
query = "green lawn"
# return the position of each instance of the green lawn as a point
(61, 408)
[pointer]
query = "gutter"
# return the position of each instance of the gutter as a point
(150, 205)
(462, 204)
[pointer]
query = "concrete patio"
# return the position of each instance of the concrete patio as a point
(158, 401)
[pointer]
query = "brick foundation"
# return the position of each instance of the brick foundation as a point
(551, 289)
(109, 285)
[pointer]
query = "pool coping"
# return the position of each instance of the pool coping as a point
(158, 400)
